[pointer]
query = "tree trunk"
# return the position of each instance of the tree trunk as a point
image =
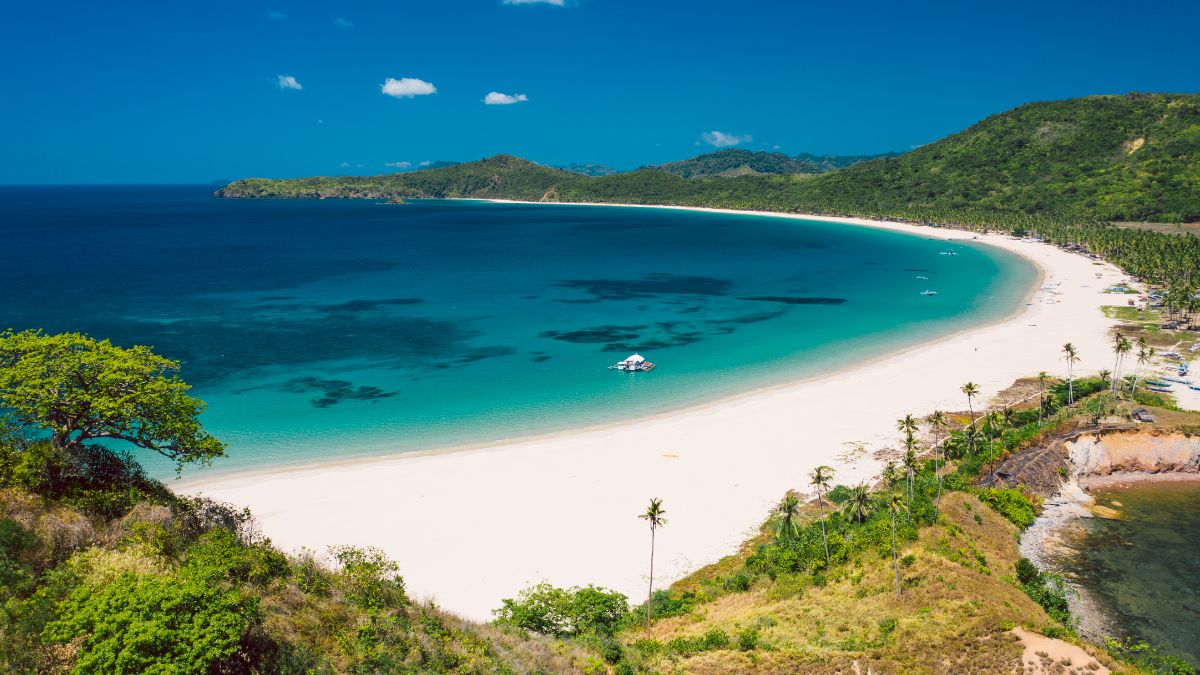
(824, 538)
(895, 558)
(650, 591)
(937, 471)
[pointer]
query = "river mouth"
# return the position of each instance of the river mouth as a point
(1138, 570)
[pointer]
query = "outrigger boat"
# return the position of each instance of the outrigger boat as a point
(1161, 390)
(633, 364)
(928, 292)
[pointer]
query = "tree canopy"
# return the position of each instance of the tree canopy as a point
(79, 389)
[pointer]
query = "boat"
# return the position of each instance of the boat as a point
(949, 252)
(1161, 390)
(925, 278)
(1178, 380)
(633, 364)
(928, 292)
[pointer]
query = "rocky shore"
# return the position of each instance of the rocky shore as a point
(1064, 470)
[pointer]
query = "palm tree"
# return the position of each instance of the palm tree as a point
(971, 390)
(1117, 338)
(858, 506)
(654, 515)
(819, 478)
(1072, 357)
(910, 465)
(1042, 396)
(895, 503)
(937, 422)
(787, 511)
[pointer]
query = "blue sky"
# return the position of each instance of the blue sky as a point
(199, 91)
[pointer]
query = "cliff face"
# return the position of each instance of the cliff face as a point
(1140, 452)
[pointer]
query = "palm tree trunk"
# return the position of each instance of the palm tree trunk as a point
(895, 558)
(650, 591)
(937, 471)
(824, 538)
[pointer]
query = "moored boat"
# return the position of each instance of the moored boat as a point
(633, 364)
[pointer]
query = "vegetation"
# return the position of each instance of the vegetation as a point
(104, 570)
(736, 162)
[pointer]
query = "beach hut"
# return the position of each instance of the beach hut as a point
(1142, 415)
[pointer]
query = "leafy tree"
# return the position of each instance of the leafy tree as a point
(937, 422)
(654, 516)
(79, 389)
(564, 612)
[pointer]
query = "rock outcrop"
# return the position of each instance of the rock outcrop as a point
(1134, 454)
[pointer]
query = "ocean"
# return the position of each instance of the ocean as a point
(325, 330)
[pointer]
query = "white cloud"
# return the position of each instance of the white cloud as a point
(425, 163)
(343, 23)
(407, 87)
(496, 98)
(556, 3)
(398, 165)
(276, 16)
(721, 139)
(289, 82)
(343, 165)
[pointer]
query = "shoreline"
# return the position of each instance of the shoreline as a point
(497, 444)
(561, 506)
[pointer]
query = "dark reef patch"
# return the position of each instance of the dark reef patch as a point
(629, 338)
(649, 286)
(747, 318)
(333, 392)
(795, 300)
(366, 305)
(481, 353)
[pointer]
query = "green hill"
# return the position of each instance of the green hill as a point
(1124, 158)
(736, 162)
(1134, 157)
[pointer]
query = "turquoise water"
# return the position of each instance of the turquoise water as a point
(318, 330)
(1142, 568)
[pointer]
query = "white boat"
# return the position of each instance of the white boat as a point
(928, 292)
(633, 364)
(925, 278)
(949, 252)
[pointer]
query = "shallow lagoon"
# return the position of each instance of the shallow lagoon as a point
(320, 330)
(1141, 570)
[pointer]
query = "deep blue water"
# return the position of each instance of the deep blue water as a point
(318, 330)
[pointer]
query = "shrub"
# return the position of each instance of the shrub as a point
(560, 612)
(154, 623)
(1148, 658)
(739, 581)
(1010, 503)
(747, 638)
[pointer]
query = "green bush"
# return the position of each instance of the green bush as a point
(144, 623)
(1010, 503)
(747, 638)
(560, 612)
(1147, 658)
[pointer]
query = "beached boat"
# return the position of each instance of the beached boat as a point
(928, 292)
(1161, 390)
(633, 364)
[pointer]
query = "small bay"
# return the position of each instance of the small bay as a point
(324, 330)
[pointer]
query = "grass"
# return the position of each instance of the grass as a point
(960, 600)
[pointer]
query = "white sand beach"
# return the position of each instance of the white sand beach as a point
(470, 527)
